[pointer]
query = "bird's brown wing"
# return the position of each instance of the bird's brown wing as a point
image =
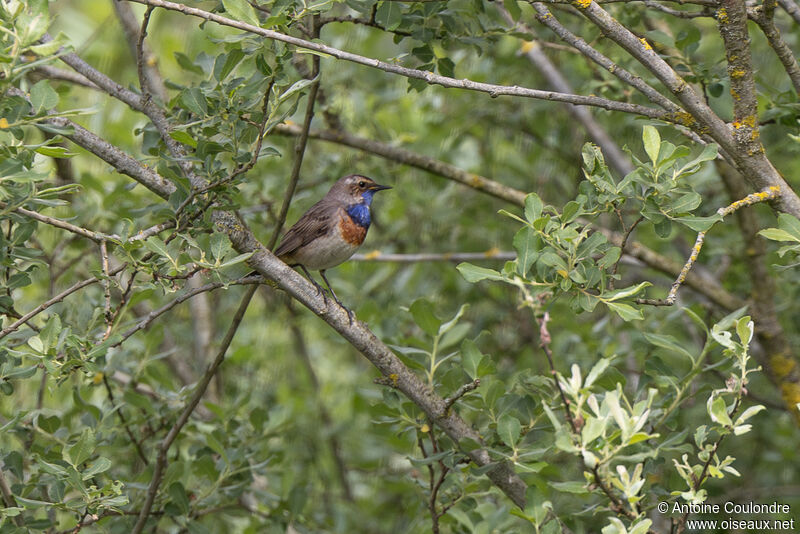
(313, 224)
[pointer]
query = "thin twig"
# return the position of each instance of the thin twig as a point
(144, 81)
(58, 298)
(97, 237)
(460, 392)
(145, 321)
(769, 193)
(106, 283)
(622, 246)
(324, 414)
(544, 343)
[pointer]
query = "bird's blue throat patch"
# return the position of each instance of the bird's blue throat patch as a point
(359, 213)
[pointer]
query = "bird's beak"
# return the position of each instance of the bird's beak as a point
(379, 187)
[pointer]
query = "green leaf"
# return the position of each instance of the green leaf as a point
(471, 358)
(776, 234)
(193, 100)
(685, 203)
(625, 311)
(100, 465)
(596, 371)
(669, 343)
(220, 245)
(526, 243)
(748, 413)
(49, 334)
(183, 137)
(231, 60)
(177, 494)
(43, 97)
(699, 224)
(624, 292)
(422, 313)
(744, 329)
(296, 87)
(571, 486)
(641, 527)
(446, 327)
(652, 142)
(155, 244)
(509, 429)
(513, 9)
(55, 152)
(473, 273)
(389, 14)
(82, 449)
(241, 10)
(718, 411)
(533, 207)
(571, 211)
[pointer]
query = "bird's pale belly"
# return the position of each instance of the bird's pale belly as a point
(325, 252)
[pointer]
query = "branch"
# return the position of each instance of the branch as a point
(325, 417)
(732, 17)
(455, 257)
(99, 79)
(429, 77)
(413, 159)
(763, 16)
(169, 439)
(460, 392)
(779, 356)
(122, 162)
(791, 7)
(63, 75)
(145, 321)
(97, 237)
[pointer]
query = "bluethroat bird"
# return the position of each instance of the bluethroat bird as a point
(331, 230)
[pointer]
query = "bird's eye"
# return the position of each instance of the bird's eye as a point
(362, 184)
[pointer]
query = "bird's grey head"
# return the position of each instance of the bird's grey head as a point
(355, 189)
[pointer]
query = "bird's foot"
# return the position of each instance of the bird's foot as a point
(350, 314)
(321, 291)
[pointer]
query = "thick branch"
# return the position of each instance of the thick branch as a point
(373, 349)
(429, 77)
(754, 165)
(732, 17)
(765, 21)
